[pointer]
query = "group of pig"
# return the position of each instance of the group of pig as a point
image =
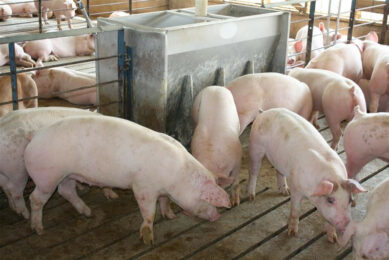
(57, 147)
(47, 83)
(61, 9)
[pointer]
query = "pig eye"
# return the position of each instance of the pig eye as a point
(330, 200)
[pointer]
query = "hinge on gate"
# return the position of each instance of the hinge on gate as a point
(127, 60)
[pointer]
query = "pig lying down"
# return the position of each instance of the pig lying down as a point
(370, 237)
(52, 49)
(16, 129)
(302, 156)
(52, 82)
(215, 142)
(21, 58)
(5, 11)
(333, 95)
(26, 88)
(113, 152)
(366, 138)
(263, 91)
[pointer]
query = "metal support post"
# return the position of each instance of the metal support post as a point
(130, 6)
(87, 7)
(384, 22)
(310, 31)
(351, 21)
(40, 15)
(121, 71)
(128, 83)
(14, 82)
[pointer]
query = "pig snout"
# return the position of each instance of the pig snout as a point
(342, 224)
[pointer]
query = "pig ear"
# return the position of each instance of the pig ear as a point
(372, 36)
(324, 188)
(353, 186)
(91, 36)
(375, 246)
(298, 46)
(321, 26)
(214, 195)
(338, 36)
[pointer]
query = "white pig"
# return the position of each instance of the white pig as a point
(312, 169)
(151, 163)
(52, 82)
(21, 58)
(215, 142)
(383, 105)
(263, 91)
(366, 137)
(65, 8)
(118, 14)
(333, 95)
(16, 129)
(52, 49)
(5, 11)
(26, 88)
(371, 235)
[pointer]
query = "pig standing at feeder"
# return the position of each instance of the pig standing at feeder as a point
(16, 129)
(263, 91)
(371, 235)
(52, 49)
(153, 164)
(26, 88)
(366, 138)
(333, 95)
(21, 58)
(65, 8)
(215, 142)
(302, 156)
(58, 82)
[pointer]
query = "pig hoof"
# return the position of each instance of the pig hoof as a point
(110, 194)
(332, 237)
(292, 231)
(46, 22)
(293, 227)
(284, 190)
(147, 235)
(26, 214)
(169, 215)
(235, 200)
(251, 197)
(39, 230)
(86, 212)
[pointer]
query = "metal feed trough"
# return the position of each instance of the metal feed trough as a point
(175, 54)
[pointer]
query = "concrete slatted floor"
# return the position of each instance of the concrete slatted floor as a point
(254, 230)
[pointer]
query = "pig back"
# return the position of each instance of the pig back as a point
(104, 151)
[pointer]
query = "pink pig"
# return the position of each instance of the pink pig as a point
(153, 164)
(383, 105)
(333, 95)
(60, 8)
(371, 235)
(21, 58)
(16, 129)
(366, 137)
(215, 142)
(5, 11)
(263, 91)
(52, 49)
(52, 82)
(302, 156)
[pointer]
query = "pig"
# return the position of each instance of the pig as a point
(21, 58)
(23, 8)
(366, 138)
(375, 61)
(333, 95)
(52, 49)
(118, 14)
(344, 59)
(370, 236)
(312, 169)
(5, 11)
(26, 88)
(263, 91)
(52, 82)
(153, 164)
(65, 8)
(16, 129)
(215, 142)
(300, 45)
(383, 105)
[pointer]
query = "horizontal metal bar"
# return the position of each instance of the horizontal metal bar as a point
(49, 35)
(287, 3)
(109, 4)
(299, 21)
(370, 7)
(108, 12)
(294, 65)
(363, 24)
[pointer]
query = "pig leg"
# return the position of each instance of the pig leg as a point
(282, 185)
(331, 233)
(25, 62)
(313, 119)
(166, 210)
(147, 204)
(235, 189)
(59, 23)
(44, 12)
(110, 194)
(38, 199)
(67, 189)
(336, 132)
(374, 101)
(256, 154)
(9, 197)
(69, 23)
(16, 192)
(295, 199)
